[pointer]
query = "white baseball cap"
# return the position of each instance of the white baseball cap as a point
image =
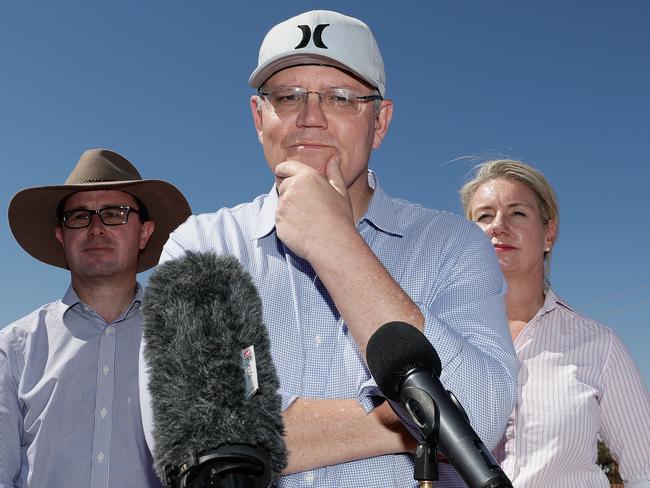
(321, 37)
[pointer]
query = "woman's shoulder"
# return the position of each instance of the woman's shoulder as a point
(574, 320)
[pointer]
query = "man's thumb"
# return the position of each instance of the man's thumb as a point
(334, 174)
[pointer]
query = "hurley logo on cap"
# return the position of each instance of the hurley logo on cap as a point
(306, 36)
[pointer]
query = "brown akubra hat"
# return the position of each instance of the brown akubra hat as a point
(32, 211)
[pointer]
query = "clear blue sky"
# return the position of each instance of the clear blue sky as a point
(563, 85)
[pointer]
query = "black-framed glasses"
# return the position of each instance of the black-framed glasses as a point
(292, 99)
(78, 218)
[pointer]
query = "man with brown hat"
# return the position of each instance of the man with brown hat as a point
(334, 258)
(69, 405)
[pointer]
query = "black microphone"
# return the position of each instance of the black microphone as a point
(406, 368)
(201, 314)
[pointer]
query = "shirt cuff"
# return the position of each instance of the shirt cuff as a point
(287, 400)
(369, 396)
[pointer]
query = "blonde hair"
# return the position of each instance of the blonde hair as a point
(510, 169)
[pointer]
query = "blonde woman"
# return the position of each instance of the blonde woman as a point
(577, 381)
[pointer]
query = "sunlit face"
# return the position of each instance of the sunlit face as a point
(101, 251)
(508, 212)
(311, 136)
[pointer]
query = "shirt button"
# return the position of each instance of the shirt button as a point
(105, 370)
(310, 477)
(318, 339)
(100, 457)
(103, 412)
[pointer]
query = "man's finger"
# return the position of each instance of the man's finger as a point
(288, 168)
(334, 174)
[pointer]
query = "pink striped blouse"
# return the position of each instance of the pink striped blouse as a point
(577, 383)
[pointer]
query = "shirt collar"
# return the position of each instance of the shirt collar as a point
(70, 299)
(266, 221)
(380, 213)
(551, 301)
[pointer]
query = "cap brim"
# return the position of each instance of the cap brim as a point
(282, 61)
(32, 216)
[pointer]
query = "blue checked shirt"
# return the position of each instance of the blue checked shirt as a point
(445, 264)
(69, 405)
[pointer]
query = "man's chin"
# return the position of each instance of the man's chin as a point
(97, 269)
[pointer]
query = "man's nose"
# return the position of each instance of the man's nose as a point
(312, 114)
(96, 226)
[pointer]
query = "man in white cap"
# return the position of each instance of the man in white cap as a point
(334, 258)
(69, 405)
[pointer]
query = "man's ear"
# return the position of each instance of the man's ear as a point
(145, 233)
(58, 234)
(257, 105)
(382, 122)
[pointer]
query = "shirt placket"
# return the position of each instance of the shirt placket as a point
(517, 448)
(99, 476)
(315, 320)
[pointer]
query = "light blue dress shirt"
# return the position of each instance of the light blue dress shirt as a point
(69, 400)
(443, 262)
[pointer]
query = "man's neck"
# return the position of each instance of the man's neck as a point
(109, 298)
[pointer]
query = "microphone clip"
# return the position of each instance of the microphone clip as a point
(425, 414)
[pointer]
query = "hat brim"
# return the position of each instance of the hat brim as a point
(282, 61)
(32, 216)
